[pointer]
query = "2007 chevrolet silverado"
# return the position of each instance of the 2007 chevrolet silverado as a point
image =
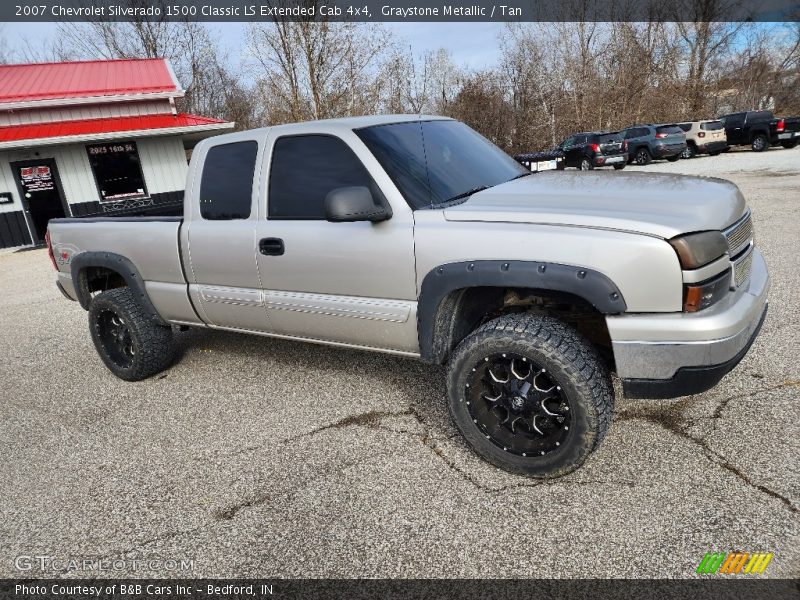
(416, 236)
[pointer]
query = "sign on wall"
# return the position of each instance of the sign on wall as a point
(38, 178)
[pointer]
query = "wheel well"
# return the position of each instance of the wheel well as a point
(691, 143)
(99, 279)
(463, 310)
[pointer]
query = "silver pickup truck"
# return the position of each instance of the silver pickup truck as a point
(416, 236)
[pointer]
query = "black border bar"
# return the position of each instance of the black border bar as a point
(401, 10)
(708, 588)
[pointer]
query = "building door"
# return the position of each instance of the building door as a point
(40, 190)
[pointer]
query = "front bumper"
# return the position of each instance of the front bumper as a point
(677, 354)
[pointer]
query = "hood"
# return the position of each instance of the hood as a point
(658, 204)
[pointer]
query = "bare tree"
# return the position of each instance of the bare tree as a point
(316, 69)
(200, 65)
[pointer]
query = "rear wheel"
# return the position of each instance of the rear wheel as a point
(130, 344)
(530, 395)
(789, 145)
(586, 165)
(689, 151)
(759, 143)
(643, 157)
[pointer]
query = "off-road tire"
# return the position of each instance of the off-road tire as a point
(759, 143)
(643, 157)
(153, 345)
(619, 167)
(586, 165)
(789, 145)
(569, 359)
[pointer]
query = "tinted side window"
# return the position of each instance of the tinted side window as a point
(734, 120)
(305, 168)
(685, 126)
(712, 125)
(226, 187)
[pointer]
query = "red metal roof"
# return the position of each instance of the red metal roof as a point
(82, 79)
(14, 133)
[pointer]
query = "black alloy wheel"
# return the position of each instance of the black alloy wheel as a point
(643, 157)
(517, 405)
(115, 337)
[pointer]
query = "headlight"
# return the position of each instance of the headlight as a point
(697, 296)
(698, 249)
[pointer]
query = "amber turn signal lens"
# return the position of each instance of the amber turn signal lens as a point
(702, 295)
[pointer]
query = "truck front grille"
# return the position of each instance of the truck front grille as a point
(742, 266)
(739, 235)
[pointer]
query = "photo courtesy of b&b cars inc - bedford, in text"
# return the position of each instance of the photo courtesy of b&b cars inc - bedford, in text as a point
(400, 300)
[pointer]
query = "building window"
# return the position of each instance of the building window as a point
(117, 171)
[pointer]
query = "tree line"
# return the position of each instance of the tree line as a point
(552, 78)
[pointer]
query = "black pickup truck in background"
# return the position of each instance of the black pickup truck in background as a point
(760, 129)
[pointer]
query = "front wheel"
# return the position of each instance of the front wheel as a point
(530, 395)
(643, 157)
(759, 143)
(130, 344)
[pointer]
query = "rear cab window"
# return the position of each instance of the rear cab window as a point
(226, 185)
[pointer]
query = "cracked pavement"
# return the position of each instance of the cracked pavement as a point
(269, 458)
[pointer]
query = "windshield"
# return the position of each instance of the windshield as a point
(434, 162)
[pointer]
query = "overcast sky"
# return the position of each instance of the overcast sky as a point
(472, 44)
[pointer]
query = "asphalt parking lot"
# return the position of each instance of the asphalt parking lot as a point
(258, 457)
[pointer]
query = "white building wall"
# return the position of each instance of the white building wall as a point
(163, 162)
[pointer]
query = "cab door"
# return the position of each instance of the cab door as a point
(734, 128)
(351, 283)
(219, 235)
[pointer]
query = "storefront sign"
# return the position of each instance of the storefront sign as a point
(6, 198)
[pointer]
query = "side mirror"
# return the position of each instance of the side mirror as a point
(348, 204)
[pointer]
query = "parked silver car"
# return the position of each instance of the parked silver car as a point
(418, 237)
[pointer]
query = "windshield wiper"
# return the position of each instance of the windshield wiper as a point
(467, 193)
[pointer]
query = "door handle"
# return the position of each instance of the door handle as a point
(271, 246)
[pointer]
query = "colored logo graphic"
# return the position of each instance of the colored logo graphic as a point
(734, 562)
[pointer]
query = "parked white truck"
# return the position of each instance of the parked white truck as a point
(416, 236)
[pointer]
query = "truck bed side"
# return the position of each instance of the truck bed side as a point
(105, 251)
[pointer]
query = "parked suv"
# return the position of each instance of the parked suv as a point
(588, 150)
(760, 129)
(646, 142)
(704, 137)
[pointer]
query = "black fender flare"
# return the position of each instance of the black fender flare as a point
(590, 285)
(119, 264)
